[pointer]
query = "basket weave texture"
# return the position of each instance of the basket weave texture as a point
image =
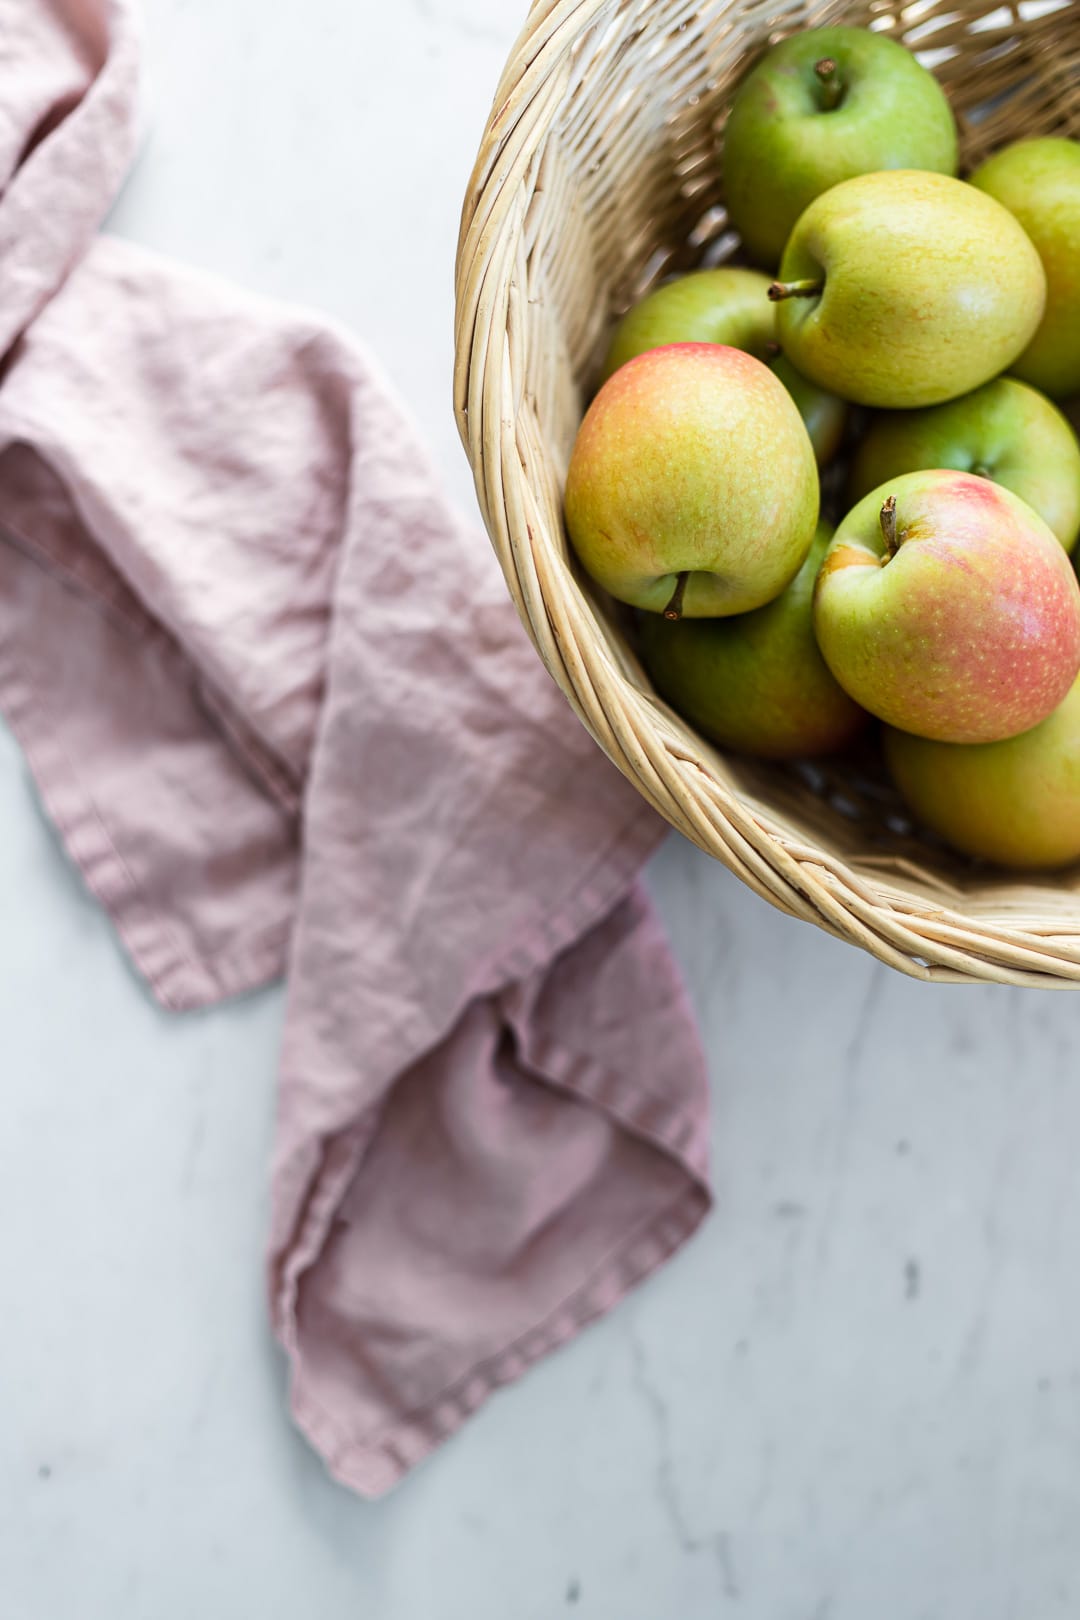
(601, 172)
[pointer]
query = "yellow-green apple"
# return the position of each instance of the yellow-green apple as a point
(903, 289)
(1039, 182)
(1005, 431)
(1016, 803)
(820, 107)
(756, 682)
(946, 607)
(727, 305)
(692, 487)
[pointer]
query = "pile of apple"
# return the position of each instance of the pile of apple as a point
(945, 603)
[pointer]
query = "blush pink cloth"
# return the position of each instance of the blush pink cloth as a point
(282, 713)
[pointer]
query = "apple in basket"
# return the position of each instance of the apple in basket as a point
(947, 608)
(1005, 431)
(727, 305)
(904, 289)
(1016, 803)
(692, 487)
(1039, 182)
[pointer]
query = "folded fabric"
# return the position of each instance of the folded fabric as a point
(281, 710)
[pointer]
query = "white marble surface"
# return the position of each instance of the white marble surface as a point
(856, 1395)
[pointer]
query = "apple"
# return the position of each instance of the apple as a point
(821, 107)
(1039, 182)
(1005, 431)
(904, 289)
(1016, 803)
(692, 487)
(947, 608)
(727, 305)
(756, 682)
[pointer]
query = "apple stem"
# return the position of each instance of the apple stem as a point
(888, 528)
(795, 289)
(980, 471)
(674, 607)
(832, 87)
(772, 350)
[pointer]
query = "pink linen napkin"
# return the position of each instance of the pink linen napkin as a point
(279, 706)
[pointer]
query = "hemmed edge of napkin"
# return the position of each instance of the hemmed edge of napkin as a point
(374, 1462)
(179, 980)
(374, 1466)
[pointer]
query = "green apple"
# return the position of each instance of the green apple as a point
(756, 682)
(947, 608)
(819, 108)
(1005, 431)
(1016, 803)
(1039, 182)
(903, 289)
(692, 487)
(728, 305)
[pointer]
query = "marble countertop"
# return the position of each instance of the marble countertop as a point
(856, 1394)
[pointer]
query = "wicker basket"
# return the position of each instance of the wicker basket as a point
(600, 172)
